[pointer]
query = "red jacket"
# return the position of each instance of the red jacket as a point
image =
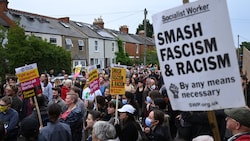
(243, 137)
(64, 91)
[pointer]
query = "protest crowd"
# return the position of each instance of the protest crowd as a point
(70, 112)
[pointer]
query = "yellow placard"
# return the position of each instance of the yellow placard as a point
(93, 75)
(28, 75)
(117, 81)
(29, 93)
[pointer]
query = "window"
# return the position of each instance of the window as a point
(92, 61)
(96, 46)
(113, 47)
(83, 63)
(124, 46)
(137, 49)
(80, 44)
(79, 24)
(113, 60)
(76, 63)
(96, 61)
(64, 24)
(52, 40)
(69, 43)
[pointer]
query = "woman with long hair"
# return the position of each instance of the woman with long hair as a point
(127, 130)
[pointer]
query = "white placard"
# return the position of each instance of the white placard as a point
(197, 56)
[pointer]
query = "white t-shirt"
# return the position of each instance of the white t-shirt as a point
(90, 97)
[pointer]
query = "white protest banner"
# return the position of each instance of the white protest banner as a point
(197, 56)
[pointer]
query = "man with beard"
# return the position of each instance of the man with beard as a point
(56, 92)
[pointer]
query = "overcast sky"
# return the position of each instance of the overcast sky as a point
(130, 12)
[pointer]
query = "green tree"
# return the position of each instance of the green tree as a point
(149, 27)
(3, 68)
(22, 49)
(121, 56)
(244, 44)
(151, 57)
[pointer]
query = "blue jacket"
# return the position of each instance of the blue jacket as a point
(55, 132)
(75, 121)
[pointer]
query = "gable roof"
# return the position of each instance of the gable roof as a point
(123, 36)
(42, 24)
(141, 39)
(92, 30)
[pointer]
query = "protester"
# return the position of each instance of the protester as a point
(139, 96)
(131, 100)
(73, 116)
(104, 131)
(11, 90)
(55, 130)
(111, 110)
(56, 92)
(155, 129)
(128, 86)
(9, 117)
(238, 122)
(93, 116)
(46, 86)
(2, 131)
(41, 100)
(65, 88)
(29, 129)
(127, 130)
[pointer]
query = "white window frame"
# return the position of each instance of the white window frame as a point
(80, 44)
(68, 43)
(113, 47)
(96, 46)
(124, 46)
(137, 49)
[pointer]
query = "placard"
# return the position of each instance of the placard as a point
(197, 56)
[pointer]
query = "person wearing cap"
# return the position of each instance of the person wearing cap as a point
(238, 122)
(127, 130)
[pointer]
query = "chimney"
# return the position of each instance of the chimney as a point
(124, 29)
(99, 22)
(141, 33)
(3, 5)
(64, 19)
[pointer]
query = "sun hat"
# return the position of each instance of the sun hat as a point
(127, 108)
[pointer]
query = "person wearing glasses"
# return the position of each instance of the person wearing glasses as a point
(238, 122)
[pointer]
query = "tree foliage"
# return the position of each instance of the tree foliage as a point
(121, 56)
(22, 49)
(244, 44)
(3, 68)
(149, 28)
(151, 57)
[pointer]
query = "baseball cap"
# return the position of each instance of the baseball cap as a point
(242, 115)
(127, 108)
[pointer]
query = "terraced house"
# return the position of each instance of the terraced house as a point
(89, 44)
